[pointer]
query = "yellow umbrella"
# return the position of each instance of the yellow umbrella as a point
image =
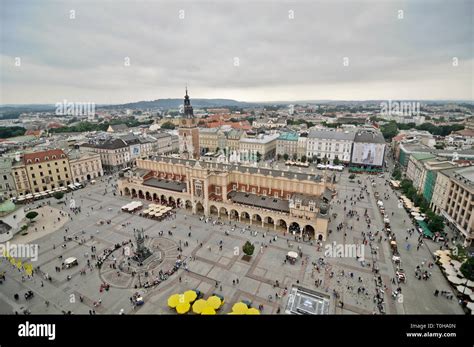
(190, 296)
(253, 311)
(214, 302)
(208, 310)
(199, 305)
(174, 300)
(240, 308)
(183, 307)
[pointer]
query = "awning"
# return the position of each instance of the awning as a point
(424, 227)
(292, 254)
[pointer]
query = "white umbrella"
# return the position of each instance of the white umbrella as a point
(470, 305)
(471, 296)
(456, 264)
(455, 280)
(451, 272)
(469, 284)
(464, 290)
(293, 254)
(445, 262)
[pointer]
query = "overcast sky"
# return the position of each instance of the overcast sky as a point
(279, 58)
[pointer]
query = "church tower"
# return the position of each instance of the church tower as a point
(188, 109)
(188, 132)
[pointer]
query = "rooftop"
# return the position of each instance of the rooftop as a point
(331, 135)
(369, 136)
(109, 144)
(288, 136)
(43, 156)
(165, 184)
(260, 139)
(119, 127)
(423, 156)
(242, 168)
(266, 202)
(464, 176)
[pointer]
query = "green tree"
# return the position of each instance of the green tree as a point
(278, 156)
(436, 224)
(397, 174)
(58, 195)
(31, 215)
(303, 159)
(6, 132)
(285, 156)
(248, 248)
(389, 130)
(336, 160)
(168, 125)
(295, 156)
(467, 269)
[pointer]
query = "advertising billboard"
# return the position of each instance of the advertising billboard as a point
(368, 154)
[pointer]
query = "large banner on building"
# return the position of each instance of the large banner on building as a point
(368, 154)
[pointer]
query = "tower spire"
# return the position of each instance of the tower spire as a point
(188, 109)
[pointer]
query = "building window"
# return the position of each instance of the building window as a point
(218, 190)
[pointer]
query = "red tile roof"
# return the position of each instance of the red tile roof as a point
(33, 132)
(40, 157)
(465, 132)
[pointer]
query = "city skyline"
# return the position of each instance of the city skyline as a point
(253, 52)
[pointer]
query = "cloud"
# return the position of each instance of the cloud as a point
(300, 58)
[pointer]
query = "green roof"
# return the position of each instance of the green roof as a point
(423, 156)
(288, 137)
(424, 227)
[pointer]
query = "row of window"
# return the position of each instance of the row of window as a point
(254, 191)
(49, 171)
(47, 180)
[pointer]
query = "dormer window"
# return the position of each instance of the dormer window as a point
(46, 158)
(54, 157)
(37, 160)
(28, 161)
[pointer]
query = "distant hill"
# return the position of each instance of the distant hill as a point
(175, 103)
